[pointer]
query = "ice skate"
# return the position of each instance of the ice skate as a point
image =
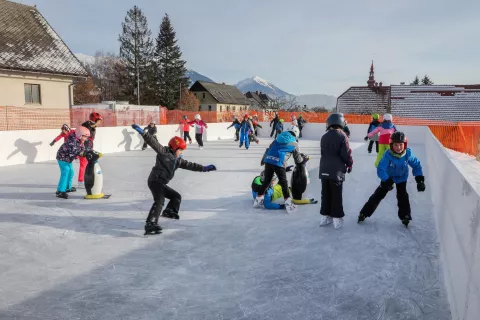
(290, 206)
(152, 228)
(81, 185)
(170, 214)
(72, 189)
(258, 202)
(361, 218)
(325, 220)
(62, 195)
(337, 223)
(406, 221)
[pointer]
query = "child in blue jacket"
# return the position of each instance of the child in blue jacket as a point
(273, 192)
(393, 169)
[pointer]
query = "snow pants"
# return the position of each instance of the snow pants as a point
(370, 146)
(160, 191)
(281, 173)
(199, 138)
(403, 201)
(237, 134)
(66, 176)
(244, 138)
(332, 199)
(81, 169)
(382, 148)
(186, 135)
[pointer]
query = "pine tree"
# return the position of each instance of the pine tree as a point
(416, 82)
(136, 52)
(426, 81)
(170, 66)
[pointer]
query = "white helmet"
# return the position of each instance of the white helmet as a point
(387, 117)
(294, 129)
(197, 116)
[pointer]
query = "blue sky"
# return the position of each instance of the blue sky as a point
(303, 46)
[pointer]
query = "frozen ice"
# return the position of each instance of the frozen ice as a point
(88, 259)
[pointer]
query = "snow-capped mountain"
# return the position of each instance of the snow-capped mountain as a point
(195, 76)
(258, 84)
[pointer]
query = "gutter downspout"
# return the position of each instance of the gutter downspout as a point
(70, 102)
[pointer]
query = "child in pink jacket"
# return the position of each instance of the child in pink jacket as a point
(385, 130)
(199, 129)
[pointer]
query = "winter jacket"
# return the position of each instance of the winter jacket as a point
(256, 124)
(166, 162)
(336, 155)
(372, 126)
(185, 126)
(235, 124)
(385, 130)
(246, 126)
(279, 126)
(64, 136)
(199, 126)
(396, 167)
(271, 194)
(347, 131)
(70, 149)
(275, 121)
(90, 125)
(281, 149)
(301, 122)
(151, 130)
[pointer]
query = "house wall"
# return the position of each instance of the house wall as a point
(54, 90)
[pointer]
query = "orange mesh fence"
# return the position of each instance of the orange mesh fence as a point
(463, 137)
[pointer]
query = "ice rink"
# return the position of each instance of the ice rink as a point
(88, 259)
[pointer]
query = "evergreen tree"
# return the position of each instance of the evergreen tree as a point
(170, 66)
(136, 52)
(426, 81)
(416, 82)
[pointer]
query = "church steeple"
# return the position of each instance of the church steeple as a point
(371, 78)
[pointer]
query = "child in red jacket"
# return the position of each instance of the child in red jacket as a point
(66, 131)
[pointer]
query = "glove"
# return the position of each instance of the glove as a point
(366, 138)
(208, 168)
(289, 168)
(420, 183)
(349, 169)
(136, 127)
(387, 184)
(282, 206)
(52, 143)
(305, 159)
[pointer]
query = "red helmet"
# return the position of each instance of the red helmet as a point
(95, 116)
(177, 143)
(245, 116)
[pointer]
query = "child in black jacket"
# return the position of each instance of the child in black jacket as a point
(336, 160)
(168, 160)
(152, 130)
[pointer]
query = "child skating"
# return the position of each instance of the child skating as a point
(393, 169)
(372, 126)
(168, 160)
(184, 127)
(66, 131)
(200, 127)
(336, 160)
(95, 119)
(278, 128)
(236, 124)
(275, 160)
(385, 130)
(246, 129)
(152, 130)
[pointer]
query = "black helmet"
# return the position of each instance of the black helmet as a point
(335, 120)
(400, 137)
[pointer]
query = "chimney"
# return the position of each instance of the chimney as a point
(381, 84)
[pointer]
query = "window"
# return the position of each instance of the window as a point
(209, 108)
(203, 95)
(220, 108)
(233, 109)
(32, 94)
(228, 108)
(199, 108)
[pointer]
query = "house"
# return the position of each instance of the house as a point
(37, 69)
(219, 97)
(259, 100)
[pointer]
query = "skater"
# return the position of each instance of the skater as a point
(200, 127)
(274, 127)
(246, 129)
(273, 193)
(152, 130)
(372, 126)
(69, 151)
(294, 121)
(168, 160)
(385, 130)
(184, 127)
(279, 128)
(236, 124)
(256, 125)
(393, 169)
(66, 131)
(336, 160)
(95, 119)
(275, 161)
(301, 123)
(346, 129)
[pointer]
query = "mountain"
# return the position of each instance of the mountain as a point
(317, 100)
(84, 58)
(195, 76)
(259, 84)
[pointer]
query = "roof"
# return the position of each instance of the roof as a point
(223, 93)
(29, 43)
(261, 99)
(364, 100)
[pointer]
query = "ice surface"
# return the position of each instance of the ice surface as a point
(88, 259)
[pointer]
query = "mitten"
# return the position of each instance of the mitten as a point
(52, 143)
(420, 183)
(366, 138)
(137, 128)
(289, 168)
(387, 184)
(208, 168)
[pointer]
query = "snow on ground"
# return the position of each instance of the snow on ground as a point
(468, 166)
(88, 259)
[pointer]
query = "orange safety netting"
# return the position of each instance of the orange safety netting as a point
(459, 136)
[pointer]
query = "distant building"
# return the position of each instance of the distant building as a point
(259, 100)
(36, 67)
(219, 97)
